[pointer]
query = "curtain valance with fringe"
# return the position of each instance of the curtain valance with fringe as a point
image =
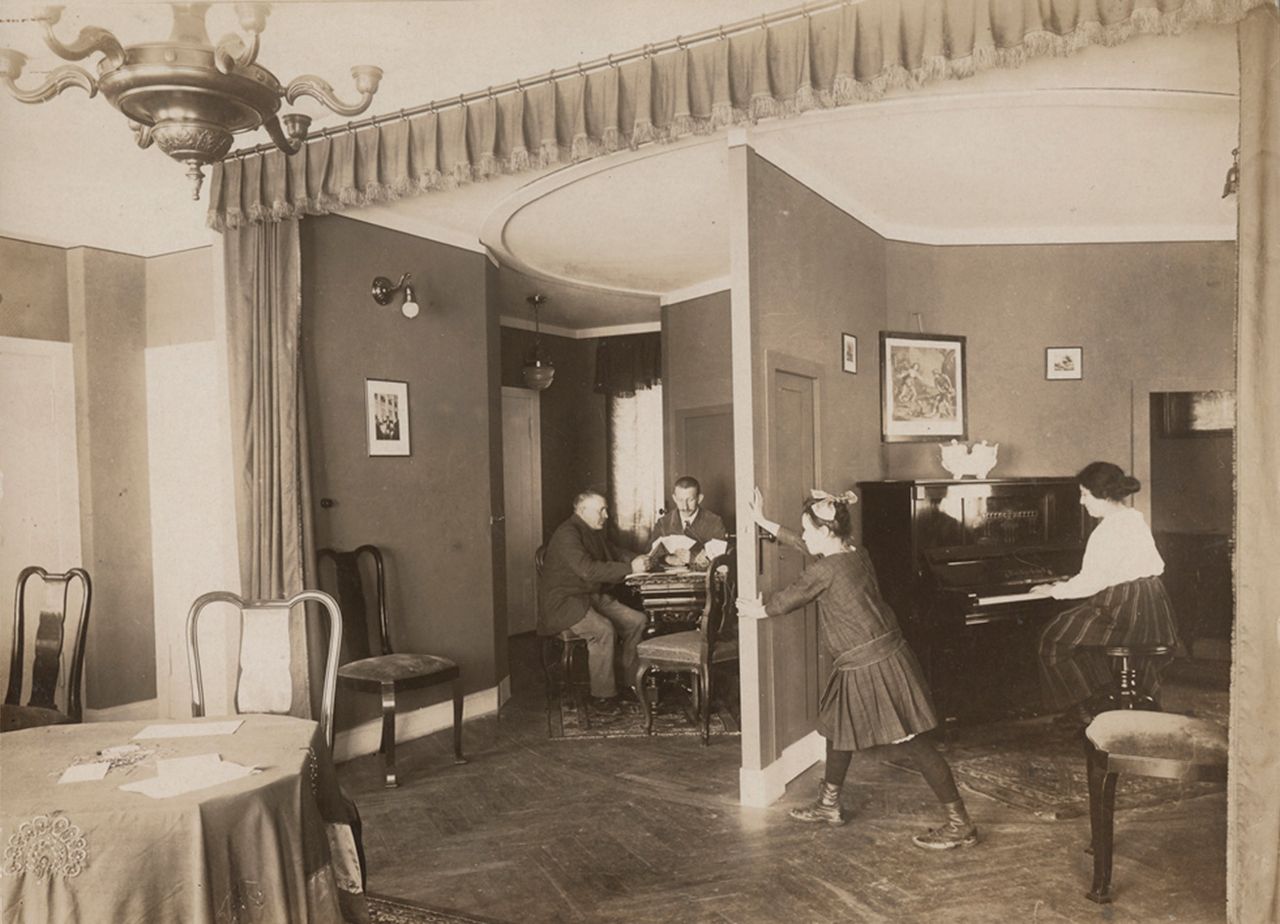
(831, 58)
(628, 364)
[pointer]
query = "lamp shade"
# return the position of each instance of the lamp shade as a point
(538, 373)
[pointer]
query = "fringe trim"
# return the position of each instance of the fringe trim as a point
(845, 90)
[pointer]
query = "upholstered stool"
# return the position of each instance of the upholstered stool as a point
(1158, 744)
(1124, 661)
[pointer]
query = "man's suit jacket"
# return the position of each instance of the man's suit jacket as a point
(706, 525)
(579, 562)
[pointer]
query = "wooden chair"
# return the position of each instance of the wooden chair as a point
(570, 646)
(50, 634)
(386, 672)
(261, 686)
(1158, 744)
(697, 651)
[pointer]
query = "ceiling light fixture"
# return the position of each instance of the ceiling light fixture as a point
(382, 291)
(538, 369)
(187, 95)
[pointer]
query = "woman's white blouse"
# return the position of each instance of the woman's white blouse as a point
(1120, 549)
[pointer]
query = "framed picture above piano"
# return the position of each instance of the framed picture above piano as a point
(923, 396)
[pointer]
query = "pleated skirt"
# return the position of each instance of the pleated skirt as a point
(1133, 613)
(880, 703)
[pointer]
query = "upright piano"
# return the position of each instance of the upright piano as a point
(955, 560)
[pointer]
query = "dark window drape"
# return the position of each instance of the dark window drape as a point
(626, 365)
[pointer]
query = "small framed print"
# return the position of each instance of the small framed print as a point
(1063, 363)
(849, 353)
(387, 417)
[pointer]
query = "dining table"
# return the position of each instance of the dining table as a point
(220, 820)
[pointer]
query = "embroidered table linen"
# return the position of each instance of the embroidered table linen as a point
(248, 849)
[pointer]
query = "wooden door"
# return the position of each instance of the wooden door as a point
(522, 502)
(793, 466)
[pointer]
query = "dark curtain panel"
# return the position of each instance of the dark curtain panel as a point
(626, 365)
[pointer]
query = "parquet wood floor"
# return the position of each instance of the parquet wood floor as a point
(644, 831)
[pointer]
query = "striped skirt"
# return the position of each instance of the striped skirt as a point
(880, 702)
(1133, 613)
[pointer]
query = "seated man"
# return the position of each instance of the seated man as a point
(579, 561)
(686, 518)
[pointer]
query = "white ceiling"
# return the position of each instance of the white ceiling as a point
(1127, 143)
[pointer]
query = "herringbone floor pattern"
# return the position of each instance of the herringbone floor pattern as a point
(649, 830)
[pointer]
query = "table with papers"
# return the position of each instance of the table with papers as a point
(206, 820)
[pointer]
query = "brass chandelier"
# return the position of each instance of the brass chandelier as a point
(187, 95)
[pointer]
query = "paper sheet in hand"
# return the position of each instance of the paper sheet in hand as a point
(190, 729)
(715, 547)
(180, 775)
(674, 543)
(85, 773)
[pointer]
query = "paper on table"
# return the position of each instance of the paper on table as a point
(84, 773)
(180, 775)
(190, 729)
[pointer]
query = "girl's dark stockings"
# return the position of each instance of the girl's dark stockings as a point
(923, 753)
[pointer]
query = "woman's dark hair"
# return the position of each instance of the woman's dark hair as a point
(841, 520)
(1107, 481)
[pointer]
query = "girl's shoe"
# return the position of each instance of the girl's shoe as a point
(826, 808)
(959, 831)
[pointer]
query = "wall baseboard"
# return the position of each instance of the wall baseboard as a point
(125, 712)
(364, 738)
(765, 786)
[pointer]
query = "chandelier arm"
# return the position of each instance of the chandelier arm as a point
(59, 79)
(91, 39)
(367, 80)
(141, 134)
(232, 52)
(283, 141)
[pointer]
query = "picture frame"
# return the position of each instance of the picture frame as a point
(386, 404)
(1063, 363)
(923, 387)
(849, 353)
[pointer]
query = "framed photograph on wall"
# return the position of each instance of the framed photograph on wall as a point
(922, 387)
(386, 407)
(1063, 363)
(849, 353)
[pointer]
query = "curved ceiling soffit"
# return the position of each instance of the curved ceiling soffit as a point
(493, 232)
(770, 140)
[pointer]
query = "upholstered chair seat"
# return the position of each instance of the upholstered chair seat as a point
(1159, 736)
(686, 648)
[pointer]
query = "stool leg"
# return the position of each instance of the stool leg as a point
(389, 733)
(1128, 683)
(457, 722)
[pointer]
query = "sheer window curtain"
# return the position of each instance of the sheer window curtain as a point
(635, 465)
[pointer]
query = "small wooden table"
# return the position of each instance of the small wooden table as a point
(673, 600)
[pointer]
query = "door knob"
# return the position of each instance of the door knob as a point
(327, 502)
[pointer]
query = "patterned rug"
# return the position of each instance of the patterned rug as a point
(1033, 766)
(398, 911)
(674, 717)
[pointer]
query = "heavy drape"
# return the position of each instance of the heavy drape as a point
(268, 423)
(1253, 795)
(831, 58)
(628, 364)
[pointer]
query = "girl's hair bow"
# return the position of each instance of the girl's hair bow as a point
(823, 505)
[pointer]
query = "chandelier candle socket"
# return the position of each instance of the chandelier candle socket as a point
(186, 95)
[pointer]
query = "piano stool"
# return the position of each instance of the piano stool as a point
(1174, 747)
(570, 645)
(1124, 662)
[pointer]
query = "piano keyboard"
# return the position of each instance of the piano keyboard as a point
(997, 599)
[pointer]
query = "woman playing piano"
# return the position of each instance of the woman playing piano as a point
(876, 694)
(1122, 600)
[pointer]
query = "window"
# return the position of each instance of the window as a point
(636, 465)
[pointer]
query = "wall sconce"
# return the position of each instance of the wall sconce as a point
(382, 291)
(1232, 185)
(538, 369)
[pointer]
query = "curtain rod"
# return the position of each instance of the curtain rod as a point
(680, 41)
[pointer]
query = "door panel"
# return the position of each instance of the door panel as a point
(704, 449)
(793, 463)
(522, 502)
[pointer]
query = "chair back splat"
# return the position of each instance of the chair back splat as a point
(267, 611)
(378, 669)
(49, 639)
